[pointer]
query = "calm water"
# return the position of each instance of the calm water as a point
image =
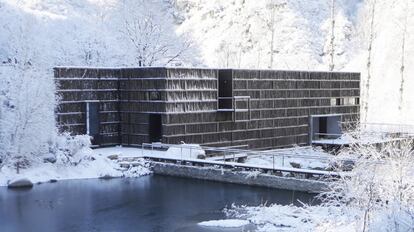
(151, 203)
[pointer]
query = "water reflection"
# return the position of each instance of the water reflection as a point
(151, 203)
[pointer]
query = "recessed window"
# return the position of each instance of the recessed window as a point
(349, 101)
(153, 96)
(357, 101)
(339, 101)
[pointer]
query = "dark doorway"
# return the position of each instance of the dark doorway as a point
(92, 121)
(225, 89)
(323, 127)
(155, 128)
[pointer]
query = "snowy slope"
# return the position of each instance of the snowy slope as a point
(384, 94)
(36, 35)
(233, 34)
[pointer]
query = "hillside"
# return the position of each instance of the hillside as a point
(36, 35)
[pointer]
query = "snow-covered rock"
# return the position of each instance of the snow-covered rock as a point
(225, 223)
(20, 183)
(113, 157)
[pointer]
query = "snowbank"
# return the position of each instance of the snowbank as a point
(188, 151)
(297, 157)
(95, 166)
(227, 223)
(293, 218)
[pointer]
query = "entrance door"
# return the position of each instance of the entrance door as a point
(155, 128)
(92, 121)
(225, 89)
(323, 127)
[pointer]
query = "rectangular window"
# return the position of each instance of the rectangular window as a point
(339, 101)
(349, 101)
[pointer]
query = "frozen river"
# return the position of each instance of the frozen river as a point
(150, 203)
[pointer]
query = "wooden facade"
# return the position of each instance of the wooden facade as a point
(216, 107)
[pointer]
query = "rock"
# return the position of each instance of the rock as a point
(201, 156)
(112, 157)
(50, 159)
(52, 180)
(106, 177)
(295, 165)
(20, 183)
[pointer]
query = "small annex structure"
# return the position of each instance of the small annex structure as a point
(213, 107)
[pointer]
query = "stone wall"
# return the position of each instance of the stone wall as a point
(237, 177)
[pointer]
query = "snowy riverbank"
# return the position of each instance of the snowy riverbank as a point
(94, 165)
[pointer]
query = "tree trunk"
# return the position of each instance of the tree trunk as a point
(371, 40)
(332, 42)
(403, 57)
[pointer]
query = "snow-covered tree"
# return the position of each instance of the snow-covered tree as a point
(151, 36)
(339, 31)
(379, 191)
(404, 26)
(272, 15)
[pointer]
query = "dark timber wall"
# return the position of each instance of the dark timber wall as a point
(76, 86)
(258, 108)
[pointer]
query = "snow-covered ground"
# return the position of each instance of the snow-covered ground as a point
(365, 138)
(101, 162)
(297, 157)
(184, 151)
(95, 165)
(225, 223)
(293, 218)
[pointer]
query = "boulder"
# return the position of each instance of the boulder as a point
(295, 165)
(50, 159)
(106, 177)
(201, 156)
(112, 157)
(20, 183)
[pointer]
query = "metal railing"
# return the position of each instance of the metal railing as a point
(319, 136)
(272, 158)
(224, 165)
(387, 128)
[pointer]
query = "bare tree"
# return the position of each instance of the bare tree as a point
(150, 42)
(379, 185)
(271, 20)
(402, 67)
(369, 58)
(332, 39)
